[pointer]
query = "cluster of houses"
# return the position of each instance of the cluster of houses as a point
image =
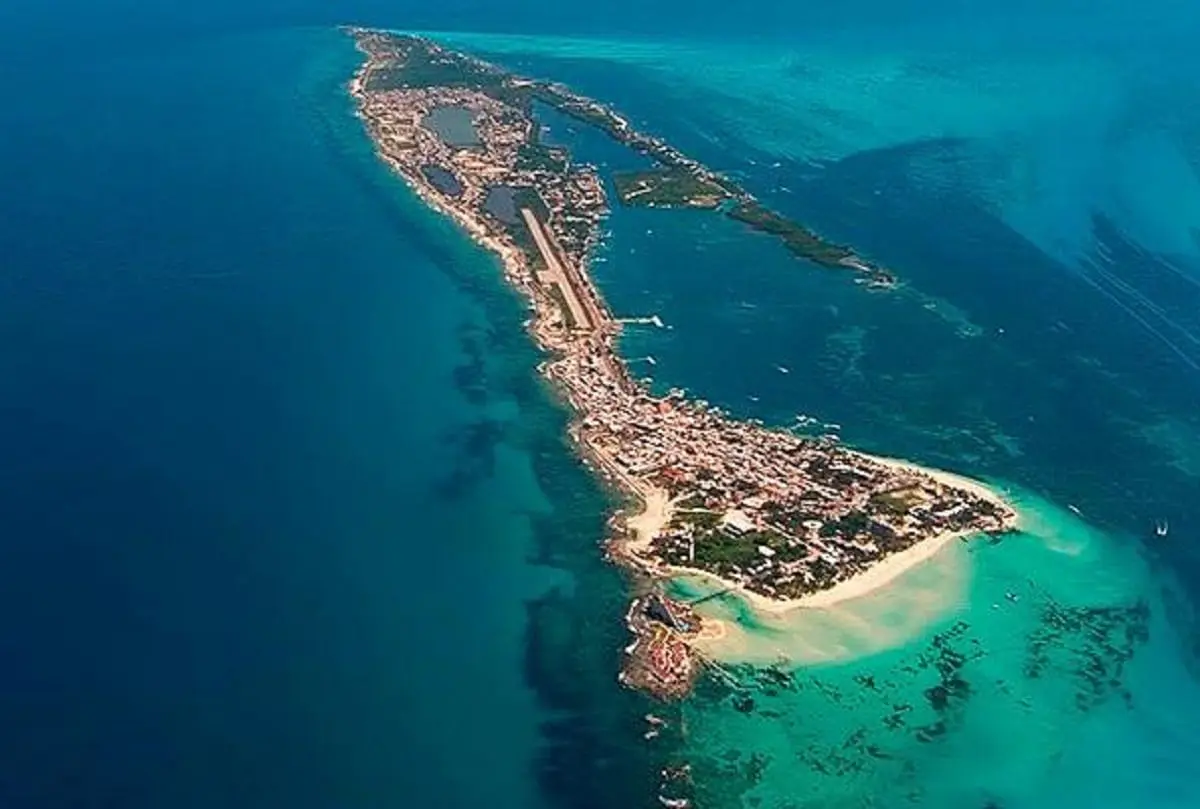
(780, 514)
(465, 172)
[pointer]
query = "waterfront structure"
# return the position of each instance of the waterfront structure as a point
(774, 515)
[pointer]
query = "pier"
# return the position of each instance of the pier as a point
(710, 597)
(652, 320)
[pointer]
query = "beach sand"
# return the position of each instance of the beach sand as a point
(651, 521)
(734, 630)
(978, 488)
(882, 607)
(879, 574)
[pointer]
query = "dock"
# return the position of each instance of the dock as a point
(710, 596)
(652, 320)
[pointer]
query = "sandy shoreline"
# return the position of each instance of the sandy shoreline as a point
(878, 575)
(651, 521)
(975, 487)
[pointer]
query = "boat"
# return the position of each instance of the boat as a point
(1161, 528)
(1075, 510)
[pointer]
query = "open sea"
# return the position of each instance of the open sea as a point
(288, 519)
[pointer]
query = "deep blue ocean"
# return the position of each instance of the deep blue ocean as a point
(286, 518)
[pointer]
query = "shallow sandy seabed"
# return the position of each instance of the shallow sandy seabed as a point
(853, 627)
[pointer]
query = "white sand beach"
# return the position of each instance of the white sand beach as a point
(873, 622)
(877, 576)
(880, 607)
(657, 512)
(975, 487)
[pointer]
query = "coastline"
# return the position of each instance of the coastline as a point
(952, 479)
(869, 581)
(862, 584)
(662, 657)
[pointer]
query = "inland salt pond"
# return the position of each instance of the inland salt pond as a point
(454, 125)
(501, 202)
(442, 180)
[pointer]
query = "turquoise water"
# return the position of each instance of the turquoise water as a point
(289, 518)
(1045, 683)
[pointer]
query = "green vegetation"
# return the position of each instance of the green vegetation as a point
(561, 302)
(601, 119)
(786, 549)
(897, 502)
(417, 65)
(798, 239)
(849, 525)
(699, 519)
(790, 518)
(668, 187)
(538, 157)
(576, 230)
(526, 196)
(721, 552)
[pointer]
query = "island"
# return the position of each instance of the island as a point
(782, 520)
(669, 188)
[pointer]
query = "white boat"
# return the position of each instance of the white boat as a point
(1161, 528)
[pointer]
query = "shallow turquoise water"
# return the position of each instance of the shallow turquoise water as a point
(1054, 681)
